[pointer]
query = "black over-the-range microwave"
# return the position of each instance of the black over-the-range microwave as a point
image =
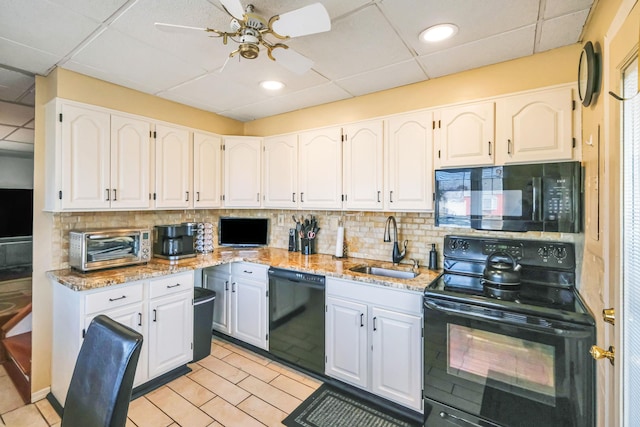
(532, 197)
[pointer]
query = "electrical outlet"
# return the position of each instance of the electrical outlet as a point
(280, 219)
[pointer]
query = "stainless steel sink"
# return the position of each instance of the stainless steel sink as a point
(386, 272)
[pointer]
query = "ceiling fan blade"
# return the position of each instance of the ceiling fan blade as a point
(172, 28)
(233, 8)
(292, 60)
(304, 21)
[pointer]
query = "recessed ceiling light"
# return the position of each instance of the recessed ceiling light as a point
(438, 33)
(271, 85)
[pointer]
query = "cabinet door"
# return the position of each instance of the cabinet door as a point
(207, 170)
(130, 159)
(280, 172)
(242, 172)
(85, 158)
(173, 167)
(170, 332)
(396, 362)
(466, 135)
(362, 166)
(131, 316)
(536, 127)
(346, 341)
(409, 176)
(249, 311)
(320, 169)
(219, 282)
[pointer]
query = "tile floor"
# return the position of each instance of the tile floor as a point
(231, 387)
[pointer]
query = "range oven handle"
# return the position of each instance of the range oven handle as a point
(545, 326)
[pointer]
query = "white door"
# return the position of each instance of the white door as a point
(173, 167)
(396, 362)
(249, 312)
(346, 341)
(409, 152)
(219, 283)
(130, 161)
(320, 169)
(535, 127)
(280, 172)
(170, 332)
(85, 158)
(362, 166)
(466, 135)
(242, 172)
(627, 300)
(207, 170)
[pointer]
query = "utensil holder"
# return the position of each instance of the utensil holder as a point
(307, 246)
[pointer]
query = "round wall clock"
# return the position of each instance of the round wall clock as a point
(588, 74)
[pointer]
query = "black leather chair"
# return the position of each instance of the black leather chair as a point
(100, 388)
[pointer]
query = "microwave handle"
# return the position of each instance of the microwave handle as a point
(536, 211)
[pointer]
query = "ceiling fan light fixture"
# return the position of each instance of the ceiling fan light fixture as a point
(438, 33)
(271, 85)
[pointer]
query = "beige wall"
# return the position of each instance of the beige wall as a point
(363, 229)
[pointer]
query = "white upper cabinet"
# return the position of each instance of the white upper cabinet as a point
(535, 127)
(207, 170)
(173, 168)
(130, 161)
(280, 172)
(465, 135)
(362, 166)
(320, 169)
(409, 157)
(242, 172)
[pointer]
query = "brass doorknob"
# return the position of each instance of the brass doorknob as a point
(600, 353)
(609, 315)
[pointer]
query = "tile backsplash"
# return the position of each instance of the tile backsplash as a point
(363, 231)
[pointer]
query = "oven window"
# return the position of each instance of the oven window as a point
(106, 249)
(513, 364)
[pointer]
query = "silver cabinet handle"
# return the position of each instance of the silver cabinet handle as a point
(374, 324)
(107, 191)
(378, 196)
(233, 287)
(116, 299)
(155, 315)
(248, 272)
(115, 195)
(489, 147)
(197, 196)
(301, 197)
(361, 320)
(139, 319)
(226, 285)
(509, 146)
(257, 197)
(293, 197)
(391, 196)
(187, 193)
(173, 286)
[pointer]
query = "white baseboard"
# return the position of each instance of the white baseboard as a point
(40, 394)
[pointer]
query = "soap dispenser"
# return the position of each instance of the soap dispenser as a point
(433, 258)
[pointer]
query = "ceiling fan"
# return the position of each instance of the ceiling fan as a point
(250, 30)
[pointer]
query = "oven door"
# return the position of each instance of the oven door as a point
(503, 368)
(115, 248)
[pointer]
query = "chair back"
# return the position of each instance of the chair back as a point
(102, 380)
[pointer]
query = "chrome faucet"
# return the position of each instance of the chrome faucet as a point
(396, 255)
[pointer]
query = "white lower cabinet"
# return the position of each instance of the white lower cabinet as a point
(374, 340)
(241, 303)
(160, 309)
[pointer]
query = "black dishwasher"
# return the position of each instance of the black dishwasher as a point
(296, 318)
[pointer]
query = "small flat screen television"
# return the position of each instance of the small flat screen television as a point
(16, 212)
(243, 232)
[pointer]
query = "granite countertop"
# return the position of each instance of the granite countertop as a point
(321, 264)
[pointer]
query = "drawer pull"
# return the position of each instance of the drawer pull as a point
(173, 286)
(248, 272)
(233, 287)
(116, 299)
(155, 315)
(226, 285)
(361, 320)
(139, 319)
(374, 324)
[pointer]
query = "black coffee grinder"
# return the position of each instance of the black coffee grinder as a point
(174, 241)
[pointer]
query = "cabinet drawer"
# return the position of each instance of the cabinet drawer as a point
(171, 284)
(249, 271)
(112, 298)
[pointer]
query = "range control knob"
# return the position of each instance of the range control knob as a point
(560, 252)
(543, 252)
(463, 244)
(453, 244)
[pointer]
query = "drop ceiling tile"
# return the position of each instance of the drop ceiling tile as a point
(14, 114)
(27, 58)
(356, 43)
(108, 76)
(6, 130)
(556, 8)
(98, 10)
(492, 50)
(29, 98)
(475, 19)
(395, 75)
(561, 31)
(13, 84)
(125, 58)
(53, 28)
(22, 135)
(30, 125)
